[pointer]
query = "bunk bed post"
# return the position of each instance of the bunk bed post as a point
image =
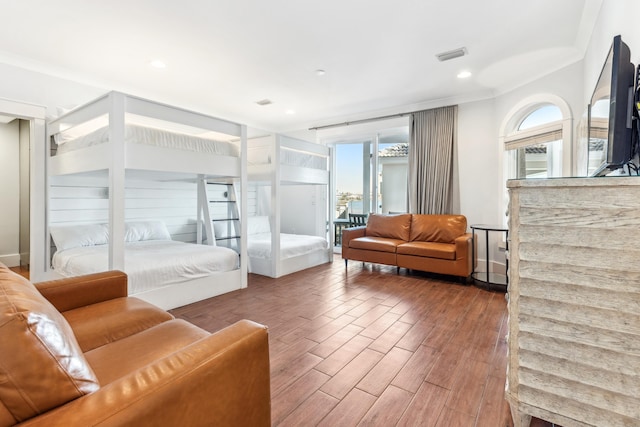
(117, 109)
(38, 230)
(244, 201)
(200, 184)
(276, 214)
(332, 198)
(329, 195)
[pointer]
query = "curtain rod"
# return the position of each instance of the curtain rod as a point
(356, 122)
(373, 119)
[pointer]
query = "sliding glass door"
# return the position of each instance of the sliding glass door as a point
(353, 179)
(370, 175)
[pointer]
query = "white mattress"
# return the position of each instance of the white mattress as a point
(152, 136)
(291, 245)
(262, 156)
(150, 264)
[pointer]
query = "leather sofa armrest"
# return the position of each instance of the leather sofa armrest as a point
(351, 233)
(74, 292)
(463, 246)
(220, 380)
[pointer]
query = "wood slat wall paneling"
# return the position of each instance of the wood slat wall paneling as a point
(85, 199)
(574, 301)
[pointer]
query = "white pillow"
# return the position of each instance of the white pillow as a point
(74, 236)
(258, 225)
(146, 230)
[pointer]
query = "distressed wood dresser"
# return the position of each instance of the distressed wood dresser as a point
(574, 301)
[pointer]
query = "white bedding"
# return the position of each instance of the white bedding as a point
(262, 156)
(151, 263)
(291, 245)
(152, 136)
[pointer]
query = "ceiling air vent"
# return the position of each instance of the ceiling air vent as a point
(456, 53)
(264, 102)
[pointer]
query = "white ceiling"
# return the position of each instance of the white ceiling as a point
(223, 56)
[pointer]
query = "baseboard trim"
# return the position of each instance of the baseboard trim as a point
(12, 260)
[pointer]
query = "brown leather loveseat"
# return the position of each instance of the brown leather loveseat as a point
(79, 352)
(433, 243)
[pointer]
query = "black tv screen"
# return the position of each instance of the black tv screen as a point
(610, 130)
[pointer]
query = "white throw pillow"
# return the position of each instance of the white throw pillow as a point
(146, 230)
(258, 225)
(74, 236)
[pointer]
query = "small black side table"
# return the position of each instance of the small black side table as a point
(486, 277)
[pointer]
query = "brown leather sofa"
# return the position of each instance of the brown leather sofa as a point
(433, 243)
(79, 352)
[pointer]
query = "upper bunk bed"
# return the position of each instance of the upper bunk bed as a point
(117, 140)
(127, 132)
(285, 160)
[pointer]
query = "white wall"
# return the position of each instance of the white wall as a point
(22, 85)
(394, 184)
(478, 163)
(299, 210)
(10, 184)
(616, 17)
(308, 215)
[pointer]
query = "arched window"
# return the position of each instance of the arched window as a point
(535, 141)
(534, 146)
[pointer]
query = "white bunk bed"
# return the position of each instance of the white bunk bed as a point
(118, 136)
(278, 161)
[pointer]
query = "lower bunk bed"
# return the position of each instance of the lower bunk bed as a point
(296, 251)
(161, 271)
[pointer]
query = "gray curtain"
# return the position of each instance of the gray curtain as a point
(432, 139)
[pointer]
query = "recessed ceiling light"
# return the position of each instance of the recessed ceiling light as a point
(464, 74)
(156, 63)
(320, 72)
(290, 112)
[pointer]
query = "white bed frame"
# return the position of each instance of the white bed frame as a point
(277, 174)
(188, 292)
(116, 157)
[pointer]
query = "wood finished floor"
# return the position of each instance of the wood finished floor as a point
(24, 272)
(366, 346)
(369, 347)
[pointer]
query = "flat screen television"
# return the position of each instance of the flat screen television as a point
(610, 118)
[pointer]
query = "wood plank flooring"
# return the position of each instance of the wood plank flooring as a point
(24, 272)
(365, 346)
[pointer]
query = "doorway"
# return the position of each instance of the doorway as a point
(23, 159)
(14, 173)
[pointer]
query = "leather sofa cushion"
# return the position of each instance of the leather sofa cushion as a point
(390, 226)
(41, 364)
(428, 250)
(380, 244)
(104, 322)
(115, 360)
(437, 228)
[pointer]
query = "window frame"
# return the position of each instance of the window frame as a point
(509, 130)
(547, 133)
